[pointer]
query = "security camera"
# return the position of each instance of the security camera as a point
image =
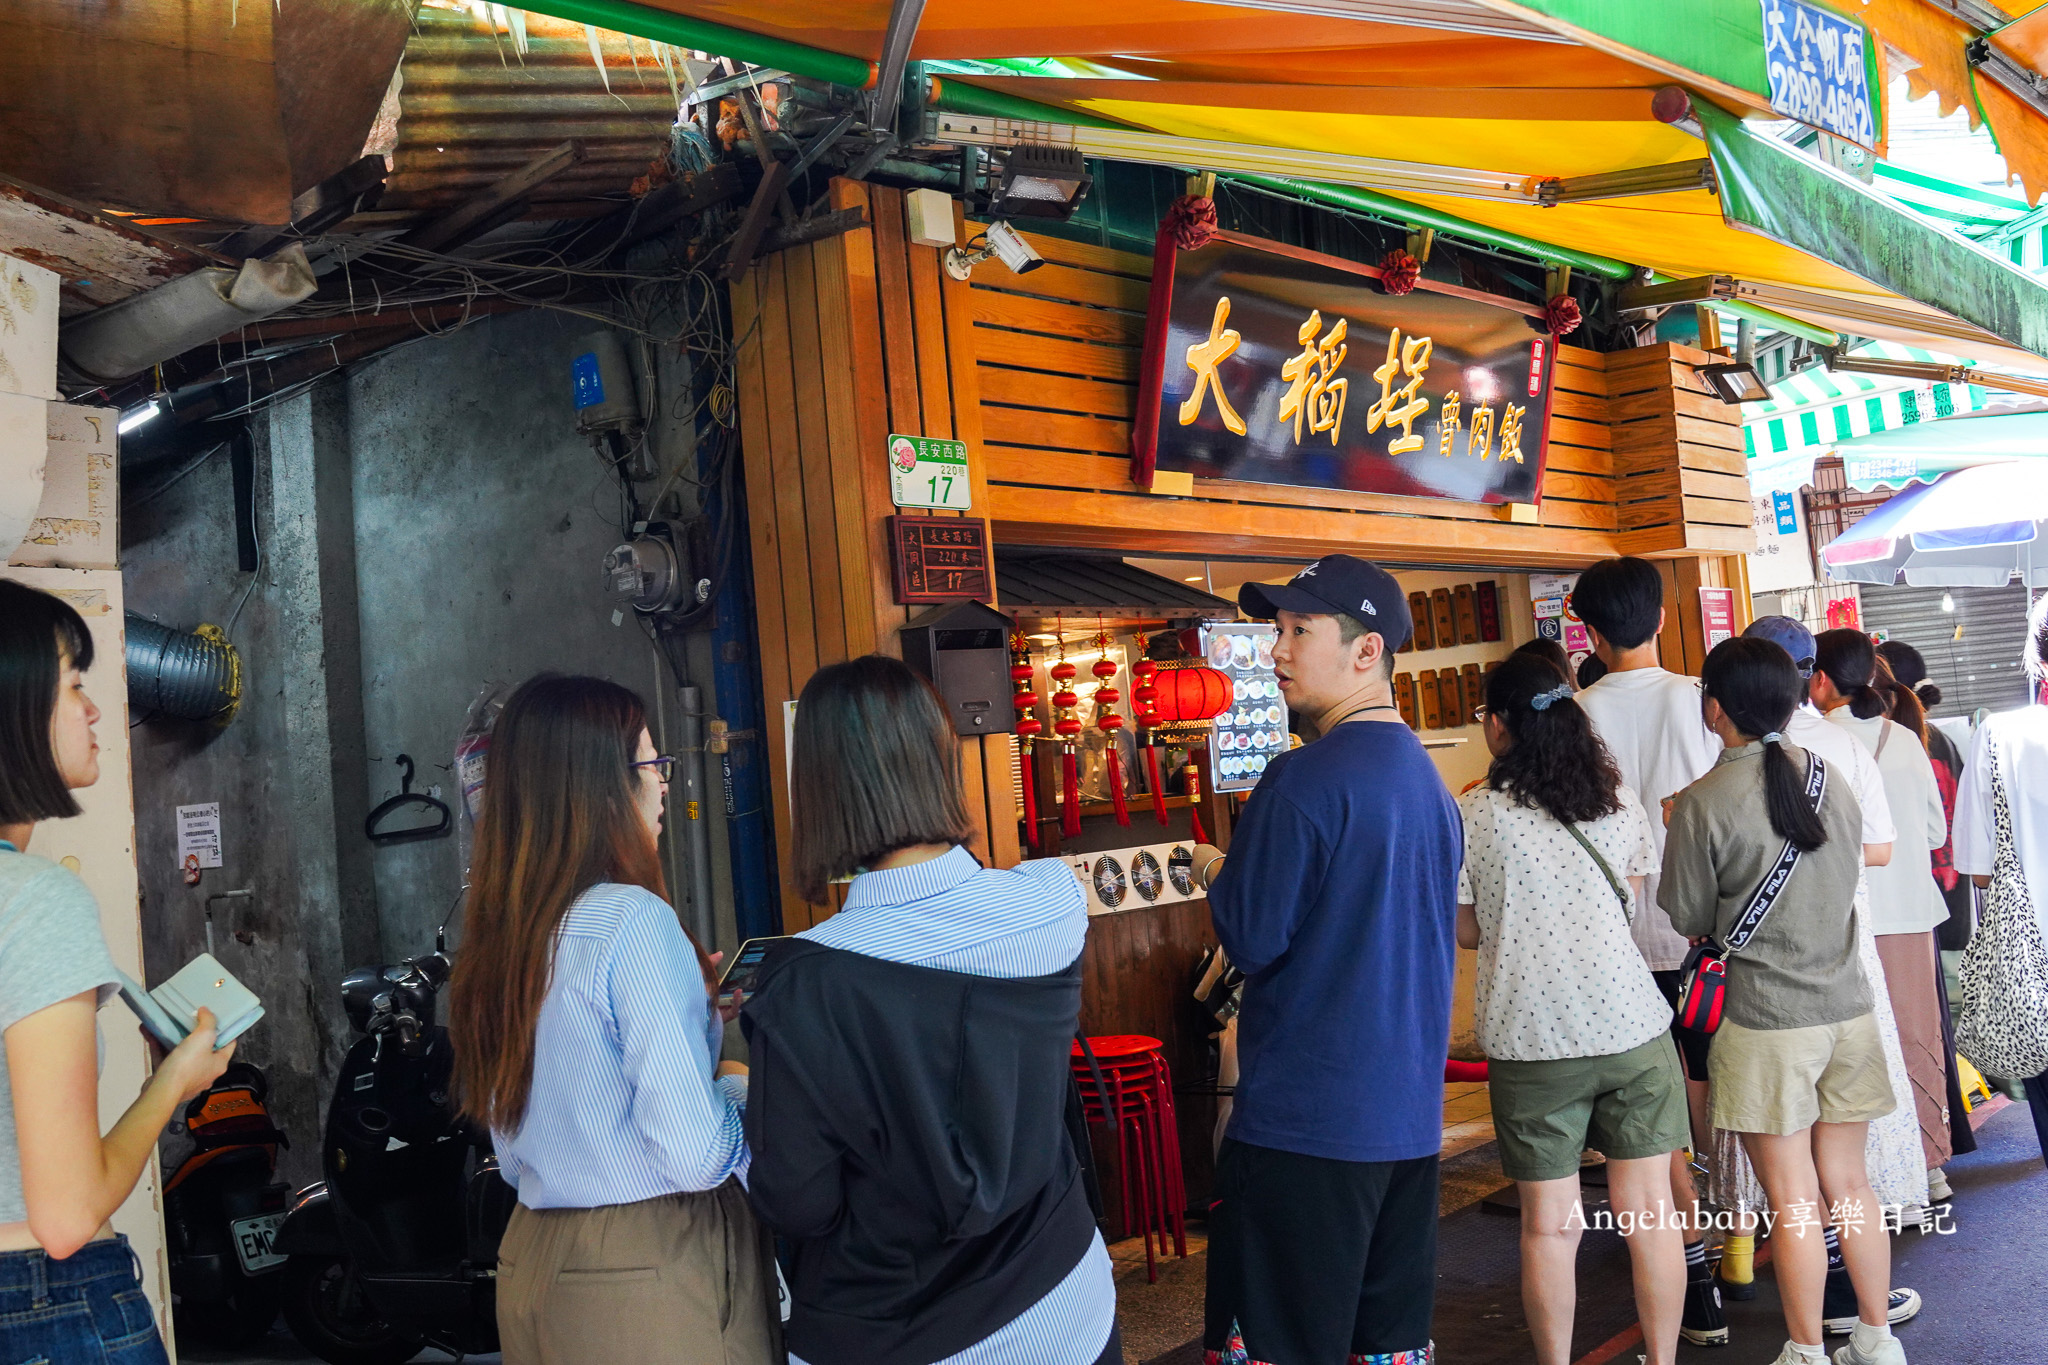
(1011, 248)
(1000, 241)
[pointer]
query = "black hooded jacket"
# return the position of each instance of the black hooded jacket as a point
(908, 1136)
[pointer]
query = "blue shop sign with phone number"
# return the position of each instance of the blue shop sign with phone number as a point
(1819, 69)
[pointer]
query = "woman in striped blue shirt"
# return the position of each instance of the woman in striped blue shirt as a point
(585, 1038)
(910, 1062)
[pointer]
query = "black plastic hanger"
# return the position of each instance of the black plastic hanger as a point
(408, 797)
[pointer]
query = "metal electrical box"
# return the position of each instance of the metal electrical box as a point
(964, 651)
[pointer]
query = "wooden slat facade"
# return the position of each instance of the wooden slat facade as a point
(845, 340)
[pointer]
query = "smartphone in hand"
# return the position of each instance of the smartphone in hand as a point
(745, 967)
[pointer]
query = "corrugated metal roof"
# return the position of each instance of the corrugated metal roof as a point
(473, 108)
(1040, 582)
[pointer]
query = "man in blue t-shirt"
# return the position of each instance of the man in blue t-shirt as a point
(1338, 901)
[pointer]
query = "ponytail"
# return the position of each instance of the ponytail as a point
(1849, 660)
(1792, 818)
(1756, 684)
(1902, 703)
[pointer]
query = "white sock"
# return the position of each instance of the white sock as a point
(1869, 1340)
(1813, 1353)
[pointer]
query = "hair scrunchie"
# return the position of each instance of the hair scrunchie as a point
(1543, 701)
(1775, 737)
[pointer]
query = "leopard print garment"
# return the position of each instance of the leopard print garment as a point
(2004, 1026)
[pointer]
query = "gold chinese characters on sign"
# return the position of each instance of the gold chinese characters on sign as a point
(1316, 392)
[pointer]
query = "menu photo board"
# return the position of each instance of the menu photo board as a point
(1253, 731)
(1270, 364)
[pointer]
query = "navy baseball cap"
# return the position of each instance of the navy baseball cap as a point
(1789, 635)
(1337, 585)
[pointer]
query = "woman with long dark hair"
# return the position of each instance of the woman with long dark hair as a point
(586, 1040)
(910, 1061)
(69, 1287)
(1909, 670)
(1576, 1033)
(1905, 901)
(1798, 1066)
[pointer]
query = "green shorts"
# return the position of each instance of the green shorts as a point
(1625, 1106)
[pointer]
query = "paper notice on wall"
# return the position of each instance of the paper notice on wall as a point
(24, 449)
(28, 329)
(76, 523)
(199, 834)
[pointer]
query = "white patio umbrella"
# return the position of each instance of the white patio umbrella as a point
(1976, 527)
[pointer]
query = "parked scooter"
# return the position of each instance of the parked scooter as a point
(222, 1210)
(397, 1248)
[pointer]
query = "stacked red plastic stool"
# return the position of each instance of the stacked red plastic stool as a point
(1136, 1098)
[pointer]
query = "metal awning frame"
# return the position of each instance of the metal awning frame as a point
(1165, 149)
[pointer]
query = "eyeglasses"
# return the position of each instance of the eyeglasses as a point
(664, 767)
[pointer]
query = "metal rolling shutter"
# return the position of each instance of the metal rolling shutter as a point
(1972, 653)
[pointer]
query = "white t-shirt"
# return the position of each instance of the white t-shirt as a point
(1649, 719)
(1903, 896)
(1559, 975)
(1837, 748)
(2021, 741)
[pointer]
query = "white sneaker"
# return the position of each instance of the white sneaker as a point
(1889, 1353)
(1792, 1355)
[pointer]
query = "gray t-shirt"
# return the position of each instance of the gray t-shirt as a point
(51, 949)
(1801, 968)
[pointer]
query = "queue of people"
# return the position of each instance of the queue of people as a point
(1705, 917)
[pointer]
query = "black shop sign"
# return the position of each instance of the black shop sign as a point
(1270, 364)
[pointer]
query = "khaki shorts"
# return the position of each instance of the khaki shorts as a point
(1782, 1080)
(1625, 1106)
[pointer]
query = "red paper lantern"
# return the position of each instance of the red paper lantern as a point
(1187, 695)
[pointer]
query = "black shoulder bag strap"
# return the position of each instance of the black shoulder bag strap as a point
(1077, 1129)
(1606, 870)
(1766, 895)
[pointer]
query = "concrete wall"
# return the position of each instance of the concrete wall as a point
(431, 523)
(180, 567)
(481, 524)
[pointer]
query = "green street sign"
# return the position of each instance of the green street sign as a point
(927, 472)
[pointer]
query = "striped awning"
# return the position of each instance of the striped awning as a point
(1815, 410)
(1818, 407)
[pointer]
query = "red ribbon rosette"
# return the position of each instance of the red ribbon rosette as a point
(1399, 272)
(1191, 221)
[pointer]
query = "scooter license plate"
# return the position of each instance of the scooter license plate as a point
(254, 1238)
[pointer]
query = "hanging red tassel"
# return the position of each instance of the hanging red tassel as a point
(1070, 785)
(1107, 719)
(1067, 726)
(1144, 702)
(1116, 782)
(1158, 787)
(1195, 830)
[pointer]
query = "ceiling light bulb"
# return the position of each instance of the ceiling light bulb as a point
(1948, 602)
